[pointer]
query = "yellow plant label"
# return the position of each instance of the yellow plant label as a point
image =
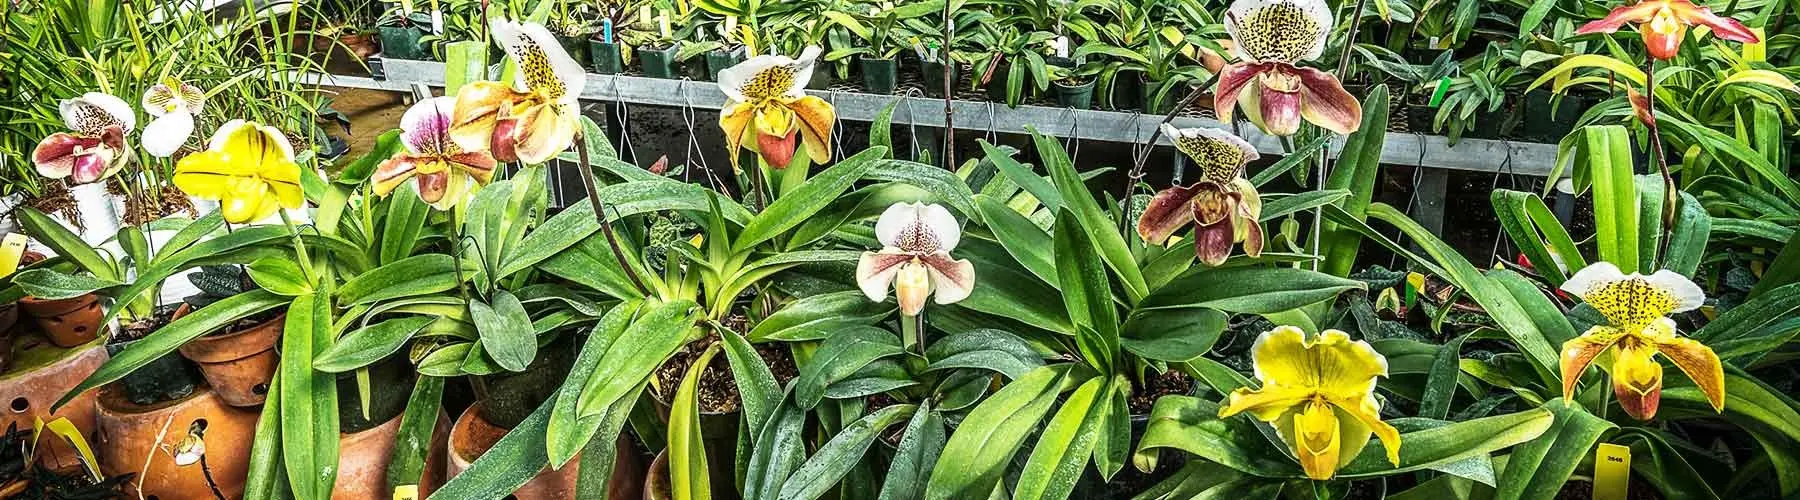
(12, 248)
(406, 492)
(1612, 472)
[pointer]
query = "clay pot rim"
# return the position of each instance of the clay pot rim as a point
(233, 346)
(36, 307)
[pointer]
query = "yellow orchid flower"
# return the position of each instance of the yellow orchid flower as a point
(1636, 308)
(769, 92)
(536, 118)
(442, 172)
(1319, 394)
(248, 167)
(1224, 205)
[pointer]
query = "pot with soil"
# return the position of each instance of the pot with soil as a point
(1154, 99)
(164, 443)
(66, 322)
(39, 375)
(604, 57)
(1126, 92)
(660, 62)
(166, 378)
(719, 402)
(879, 76)
(576, 45)
(934, 76)
(720, 59)
(822, 76)
(1130, 481)
(1074, 92)
(506, 399)
(367, 439)
(240, 360)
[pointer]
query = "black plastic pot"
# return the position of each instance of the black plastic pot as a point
(996, 84)
(402, 42)
(1127, 91)
(390, 384)
(821, 76)
(719, 59)
(512, 396)
(1078, 96)
(576, 46)
(1546, 120)
(1061, 62)
(879, 76)
(659, 62)
(933, 71)
(1148, 100)
(605, 58)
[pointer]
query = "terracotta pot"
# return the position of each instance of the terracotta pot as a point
(238, 365)
(473, 435)
(66, 322)
(34, 385)
(362, 45)
(363, 459)
(131, 434)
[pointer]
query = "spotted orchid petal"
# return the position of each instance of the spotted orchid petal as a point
(1664, 23)
(1319, 395)
(1286, 31)
(1699, 362)
(545, 130)
(768, 111)
(544, 68)
(1168, 212)
(1233, 81)
(425, 128)
(1324, 102)
(91, 113)
(1633, 301)
(479, 108)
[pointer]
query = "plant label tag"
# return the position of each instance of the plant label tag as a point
(12, 248)
(644, 15)
(1612, 472)
(1440, 43)
(406, 492)
(1443, 88)
(437, 22)
(1061, 45)
(731, 22)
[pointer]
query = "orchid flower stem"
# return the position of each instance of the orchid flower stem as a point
(1670, 195)
(456, 243)
(306, 268)
(912, 332)
(593, 192)
(949, 71)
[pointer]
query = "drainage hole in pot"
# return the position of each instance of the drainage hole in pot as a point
(20, 404)
(152, 497)
(260, 389)
(81, 329)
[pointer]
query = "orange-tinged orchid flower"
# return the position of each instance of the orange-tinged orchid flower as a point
(248, 167)
(1319, 394)
(532, 120)
(1224, 205)
(1663, 23)
(768, 109)
(1269, 37)
(442, 172)
(916, 241)
(96, 149)
(1636, 308)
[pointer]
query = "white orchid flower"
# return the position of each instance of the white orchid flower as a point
(173, 104)
(916, 241)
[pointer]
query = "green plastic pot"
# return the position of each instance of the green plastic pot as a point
(1127, 91)
(879, 76)
(659, 62)
(934, 77)
(605, 58)
(1149, 103)
(576, 46)
(1078, 96)
(821, 76)
(719, 59)
(402, 42)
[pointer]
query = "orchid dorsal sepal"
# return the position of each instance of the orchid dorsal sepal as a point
(1636, 308)
(1319, 394)
(915, 259)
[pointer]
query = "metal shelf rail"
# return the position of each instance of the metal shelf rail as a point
(1430, 151)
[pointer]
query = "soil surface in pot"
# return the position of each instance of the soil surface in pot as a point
(56, 200)
(717, 391)
(1156, 386)
(1584, 490)
(138, 329)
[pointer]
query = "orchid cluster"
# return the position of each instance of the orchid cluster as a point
(95, 146)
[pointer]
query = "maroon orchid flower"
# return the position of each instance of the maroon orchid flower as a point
(1224, 206)
(1269, 38)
